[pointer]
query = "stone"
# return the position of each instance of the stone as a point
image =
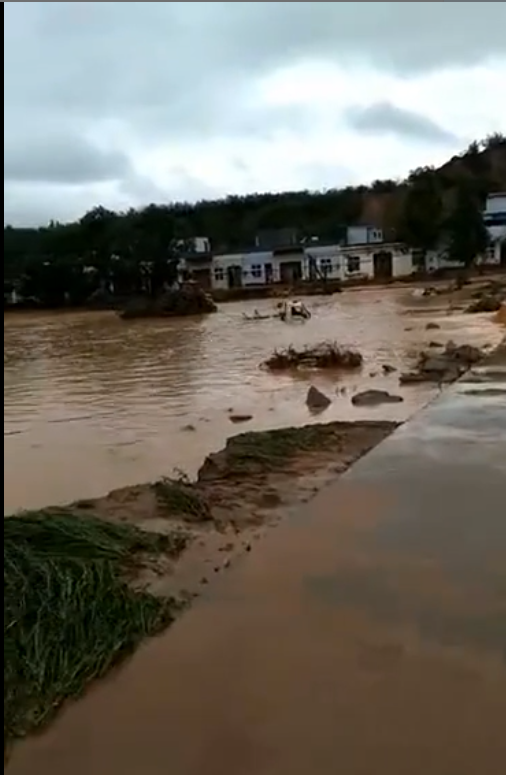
(374, 398)
(485, 304)
(316, 400)
(432, 326)
(236, 418)
(388, 369)
(412, 378)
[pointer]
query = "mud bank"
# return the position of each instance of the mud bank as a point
(85, 583)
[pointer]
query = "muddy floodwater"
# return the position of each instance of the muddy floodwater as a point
(92, 402)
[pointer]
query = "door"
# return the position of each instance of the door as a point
(383, 265)
(234, 276)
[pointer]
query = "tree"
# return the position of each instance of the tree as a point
(137, 251)
(421, 214)
(466, 234)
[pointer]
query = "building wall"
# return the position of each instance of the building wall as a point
(358, 260)
(252, 265)
(341, 263)
(496, 203)
(495, 216)
(328, 259)
(363, 235)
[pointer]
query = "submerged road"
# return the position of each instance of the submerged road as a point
(365, 636)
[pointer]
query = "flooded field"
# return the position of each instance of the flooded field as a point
(92, 402)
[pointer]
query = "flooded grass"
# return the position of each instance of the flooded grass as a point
(69, 614)
(271, 450)
(179, 497)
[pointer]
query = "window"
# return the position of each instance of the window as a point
(353, 264)
(219, 274)
(325, 265)
(256, 271)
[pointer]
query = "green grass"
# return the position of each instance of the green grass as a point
(69, 615)
(270, 450)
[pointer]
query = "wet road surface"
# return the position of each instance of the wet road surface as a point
(365, 635)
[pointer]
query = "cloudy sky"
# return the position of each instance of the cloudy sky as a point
(124, 103)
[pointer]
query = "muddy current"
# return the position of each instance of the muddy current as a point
(92, 403)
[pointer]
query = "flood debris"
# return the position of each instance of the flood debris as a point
(325, 355)
(443, 367)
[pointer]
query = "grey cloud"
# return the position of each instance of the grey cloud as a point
(386, 118)
(184, 70)
(59, 158)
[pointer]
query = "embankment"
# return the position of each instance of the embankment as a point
(85, 583)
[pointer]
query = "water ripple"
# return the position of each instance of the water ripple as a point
(92, 402)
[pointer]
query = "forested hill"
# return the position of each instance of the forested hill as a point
(54, 255)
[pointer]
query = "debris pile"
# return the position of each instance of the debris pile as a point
(326, 355)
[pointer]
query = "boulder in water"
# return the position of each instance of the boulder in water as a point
(317, 401)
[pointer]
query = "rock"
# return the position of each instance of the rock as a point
(432, 326)
(316, 400)
(388, 369)
(374, 398)
(485, 304)
(443, 367)
(436, 364)
(435, 344)
(412, 378)
(240, 417)
(188, 427)
(466, 354)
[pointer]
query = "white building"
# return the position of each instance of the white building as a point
(379, 261)
(494, 217)
(322, 261)
(495, 220)
(242, 270)
(314, 261)
(363, 235)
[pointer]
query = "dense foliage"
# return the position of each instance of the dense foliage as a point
(137, 251)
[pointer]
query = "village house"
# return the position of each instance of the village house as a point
(494, 218)
(196, 262)
(285, 259)
(368, 255)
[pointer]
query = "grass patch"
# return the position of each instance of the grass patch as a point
(272, 448)
(179, 496)
(326, 355)
(69, 615)
(265, 451)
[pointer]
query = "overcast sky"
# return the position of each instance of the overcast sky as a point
(124, 103)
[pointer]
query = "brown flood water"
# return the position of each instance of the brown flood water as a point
(92, 402)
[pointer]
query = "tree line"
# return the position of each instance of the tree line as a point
(137, 252)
